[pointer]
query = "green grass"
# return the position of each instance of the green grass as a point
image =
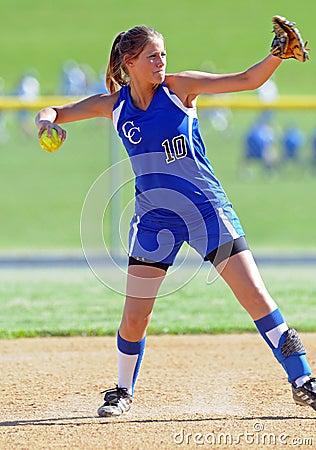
(69, 302)
(41, 194)
(230, 35)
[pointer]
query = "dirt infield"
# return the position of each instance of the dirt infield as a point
(193, 391)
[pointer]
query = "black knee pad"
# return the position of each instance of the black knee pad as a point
(292, 343)
(289, 344)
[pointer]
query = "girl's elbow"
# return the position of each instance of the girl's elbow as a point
(252, 83)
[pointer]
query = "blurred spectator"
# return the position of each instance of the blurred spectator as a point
(28, 90)
(99, 85)
(75, 79)
(90, 77)
(292, 142)
(260, 145)
(219, 118)
(313, 160)
(4, 135)
(268, 92)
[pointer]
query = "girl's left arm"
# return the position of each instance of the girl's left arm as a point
(191, 84)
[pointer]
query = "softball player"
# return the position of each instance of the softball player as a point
(178, 199)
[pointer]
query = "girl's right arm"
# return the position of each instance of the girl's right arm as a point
(100, 105)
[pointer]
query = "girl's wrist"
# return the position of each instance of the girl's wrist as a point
(40, 123)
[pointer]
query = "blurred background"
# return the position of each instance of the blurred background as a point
(266, 160)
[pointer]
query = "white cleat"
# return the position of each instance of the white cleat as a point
(116, 402)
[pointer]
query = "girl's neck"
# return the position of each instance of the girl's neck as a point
(142, 96)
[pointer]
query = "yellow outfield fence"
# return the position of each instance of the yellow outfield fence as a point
(244, 101)
(234, 101)
(15, 103)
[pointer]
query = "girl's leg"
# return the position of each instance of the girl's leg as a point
(242, 275)
(143, 283)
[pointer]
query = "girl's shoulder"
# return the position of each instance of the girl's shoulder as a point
(171, 80)
(104, 103)
(180, 84)
(179, 78)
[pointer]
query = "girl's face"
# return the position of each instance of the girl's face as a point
(150, 64)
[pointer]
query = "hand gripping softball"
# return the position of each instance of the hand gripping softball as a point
(287, 42)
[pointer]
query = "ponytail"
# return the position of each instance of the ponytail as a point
(115, 74)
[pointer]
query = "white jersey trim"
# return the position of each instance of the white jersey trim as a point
(117, 113)
(133, 239)
(227, 224)
(189, 111)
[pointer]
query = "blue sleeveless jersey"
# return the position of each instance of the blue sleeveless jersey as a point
(173, 175)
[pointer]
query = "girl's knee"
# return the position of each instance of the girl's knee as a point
(258, 294)
(258, 302)
(134, 322)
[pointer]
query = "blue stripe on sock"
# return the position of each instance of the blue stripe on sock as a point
(296, 366)
(130, 348)
(270, 321)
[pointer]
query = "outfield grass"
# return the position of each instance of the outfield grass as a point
(68, 302)
(41, 194)
(230, 35)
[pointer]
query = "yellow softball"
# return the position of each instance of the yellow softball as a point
(50, 144)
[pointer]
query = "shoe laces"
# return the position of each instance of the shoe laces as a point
(113, 395)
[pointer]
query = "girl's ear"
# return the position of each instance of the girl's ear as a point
(127, 61)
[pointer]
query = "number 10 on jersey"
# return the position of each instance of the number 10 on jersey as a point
(176, 149)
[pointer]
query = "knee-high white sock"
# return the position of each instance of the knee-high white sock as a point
(130, 355)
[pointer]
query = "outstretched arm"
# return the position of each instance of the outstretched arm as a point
(191, 84)
(287, 43)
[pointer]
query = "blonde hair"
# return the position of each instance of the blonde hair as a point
(131, 43)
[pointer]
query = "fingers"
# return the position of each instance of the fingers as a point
(49, 126)
(45, 125)
(61, 133)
